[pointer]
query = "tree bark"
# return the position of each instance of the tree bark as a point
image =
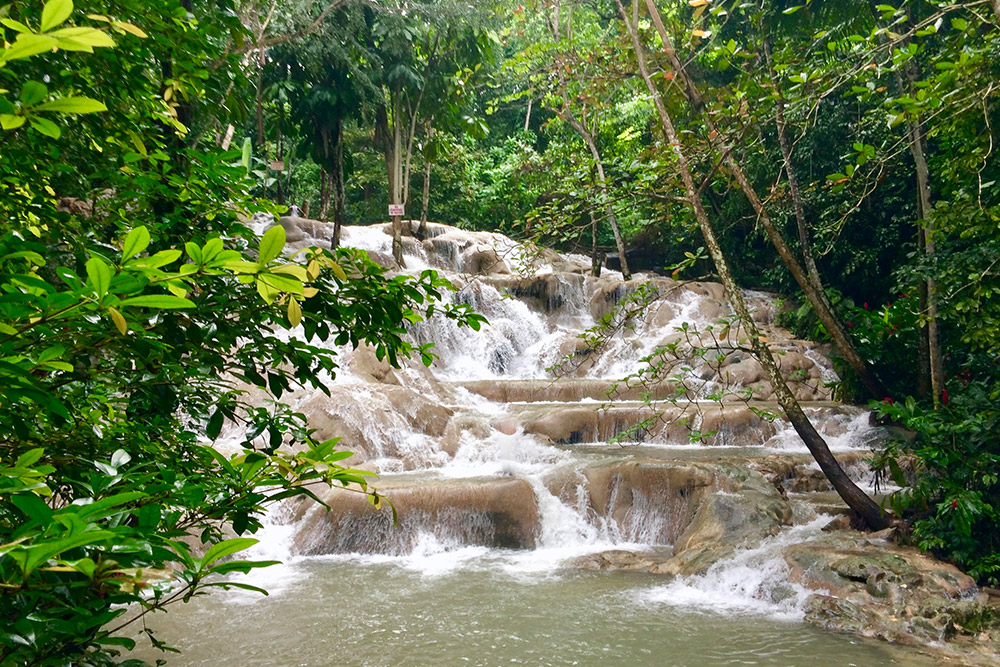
(588, 138)
(389, 141)
(425, 200)
(917, 139)
(337, 185)
(817, 299)
(855, 498)
(324, 194)
(924, 208)
(812, 271)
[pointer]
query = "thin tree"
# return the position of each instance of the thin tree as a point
(866, 508)
(811, 288)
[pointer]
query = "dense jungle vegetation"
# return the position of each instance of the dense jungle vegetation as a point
(838, 153)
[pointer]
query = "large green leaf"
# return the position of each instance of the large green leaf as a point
(165, 301)
(76, 105)
(136, 241)
(33, 92)
(272, 243)
(226, 548)
(28, 45)
(98, 276)
(55, 13)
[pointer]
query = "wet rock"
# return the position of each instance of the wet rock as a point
(882, 590)
(304, 232)
(738, 426)
(615, 560)
(500, 513)
(462, 426)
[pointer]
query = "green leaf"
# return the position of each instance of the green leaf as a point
(281, 283)
(40, 553)
(215, 424)
(272, 244)
(136, 241)
(119, 321)
(33, 92)
(98, 276)
(226, 548)
(33, 507)
(14, 25)
(247, 149)
(84, 36)
(45, 126)
(294, 312)
(77, 105)
(29, 458)
(28, 45)
(55, 13)
(10, 121)
(164, 301)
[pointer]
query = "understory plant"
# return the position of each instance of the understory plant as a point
(133, 465)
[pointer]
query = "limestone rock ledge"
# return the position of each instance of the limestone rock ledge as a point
(874, 588)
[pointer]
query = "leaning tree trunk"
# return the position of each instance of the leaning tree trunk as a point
(856, 499)
(812, 271)
(818, 301)
(588, 138)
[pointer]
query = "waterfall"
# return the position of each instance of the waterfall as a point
(499, 452)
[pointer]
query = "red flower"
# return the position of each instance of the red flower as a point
(944, 396)
(866, 305)
(850, 325)
(888, 399)
(954, 504)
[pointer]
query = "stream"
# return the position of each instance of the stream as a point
(525, 535)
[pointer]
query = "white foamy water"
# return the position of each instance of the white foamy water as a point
(753, 581)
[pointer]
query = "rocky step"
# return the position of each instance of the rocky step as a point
(493, 512)
(563, 390)
(733, 425)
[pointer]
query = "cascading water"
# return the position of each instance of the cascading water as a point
(510, 499)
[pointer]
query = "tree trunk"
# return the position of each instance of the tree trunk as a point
(595, 259)
(389, 141)
(602, 184)
(925, 208)
(812, 271)
(855, 498)
(324, 194)
(917, 139)
(398, 196)
(337, 185)
(816, 297)
(425, 200)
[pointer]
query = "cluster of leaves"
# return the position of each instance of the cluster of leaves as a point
(125, 326)
(954, 500)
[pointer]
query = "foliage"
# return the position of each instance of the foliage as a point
(954, 498)
(128, 449)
